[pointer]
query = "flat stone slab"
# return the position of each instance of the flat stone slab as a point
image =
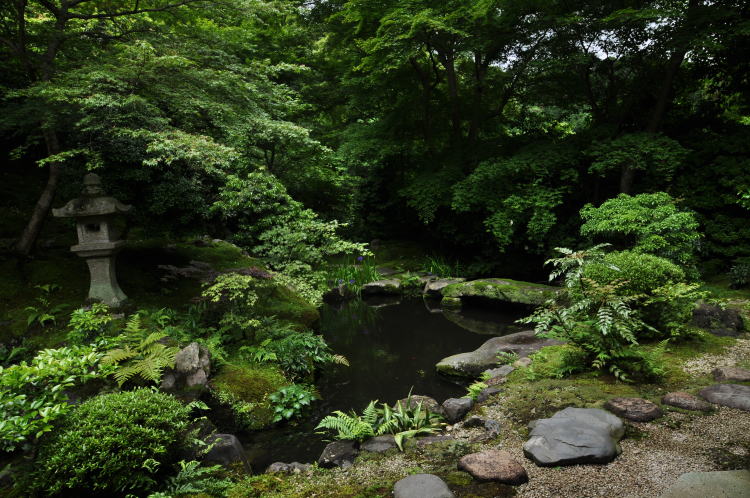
(635, 409)
(422, 486)
(379, 444)
(686, 401)
(435, 288)
(728, 374)
(731, 395)
(501, 290)
(389, 287)
(724, 484)
(473, 363)
(575, 435)
(494, 465)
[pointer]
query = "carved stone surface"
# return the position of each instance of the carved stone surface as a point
(98, 236)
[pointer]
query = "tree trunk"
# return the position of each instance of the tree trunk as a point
(31, 232)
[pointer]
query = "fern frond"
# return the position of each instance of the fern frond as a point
(340, 360)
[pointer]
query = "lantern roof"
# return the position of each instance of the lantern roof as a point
(93, 202)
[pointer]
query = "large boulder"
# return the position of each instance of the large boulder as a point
(192, 366)
(422, 486)
(501, 290)
(574, 435)
(485, 357)
(717, 320)
(338, 454)
(494, 465)
(226, 449)
(435, 288)
(725, 484)
(731, 395)
(391, 287)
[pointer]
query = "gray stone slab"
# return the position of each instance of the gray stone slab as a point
(720, 484)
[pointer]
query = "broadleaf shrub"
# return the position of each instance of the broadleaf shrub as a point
(641, 273)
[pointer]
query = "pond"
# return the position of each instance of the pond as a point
(392, 349)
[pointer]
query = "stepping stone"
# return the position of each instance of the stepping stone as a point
(379, 444)
(724, 484)
(338, 454)
(456, 408)
(724, 374)
(635, 409)
(382, 288)
(485, 356)
(422, 486)
(731, 395)
(575, 435)
(428, 440)
(686, 401)
(435, 287)
(494, 465)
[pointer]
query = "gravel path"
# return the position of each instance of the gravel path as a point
(648, 465)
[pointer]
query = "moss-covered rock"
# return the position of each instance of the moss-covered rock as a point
(500, 290)
(475, 362)
(244, 388)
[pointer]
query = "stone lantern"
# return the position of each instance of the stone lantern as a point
(98, 243)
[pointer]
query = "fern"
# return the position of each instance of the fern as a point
(194, 479)
(348, 426)
(145, 357)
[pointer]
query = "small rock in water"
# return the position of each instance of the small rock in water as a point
(635, 409)
(686, 401)
(731, 395)
(226, 449)
(724, 374)
(422, 486)
(338, 454)
(494, 465)
(456, 408)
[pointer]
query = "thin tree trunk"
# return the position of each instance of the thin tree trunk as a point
(41, 209)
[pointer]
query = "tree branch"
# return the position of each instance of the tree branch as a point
(135, 11)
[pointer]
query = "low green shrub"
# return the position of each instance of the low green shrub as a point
(641, 273)
(88, 325)
(739, 274)
(112, 444)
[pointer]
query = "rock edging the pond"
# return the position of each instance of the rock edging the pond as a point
(498, 289)
(473, 363)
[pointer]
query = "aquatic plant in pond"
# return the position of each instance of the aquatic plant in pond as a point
(360, 271)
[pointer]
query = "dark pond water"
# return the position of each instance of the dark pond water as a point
(392, 349)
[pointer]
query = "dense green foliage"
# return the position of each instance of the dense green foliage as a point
(33, 397)
(143, 428)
